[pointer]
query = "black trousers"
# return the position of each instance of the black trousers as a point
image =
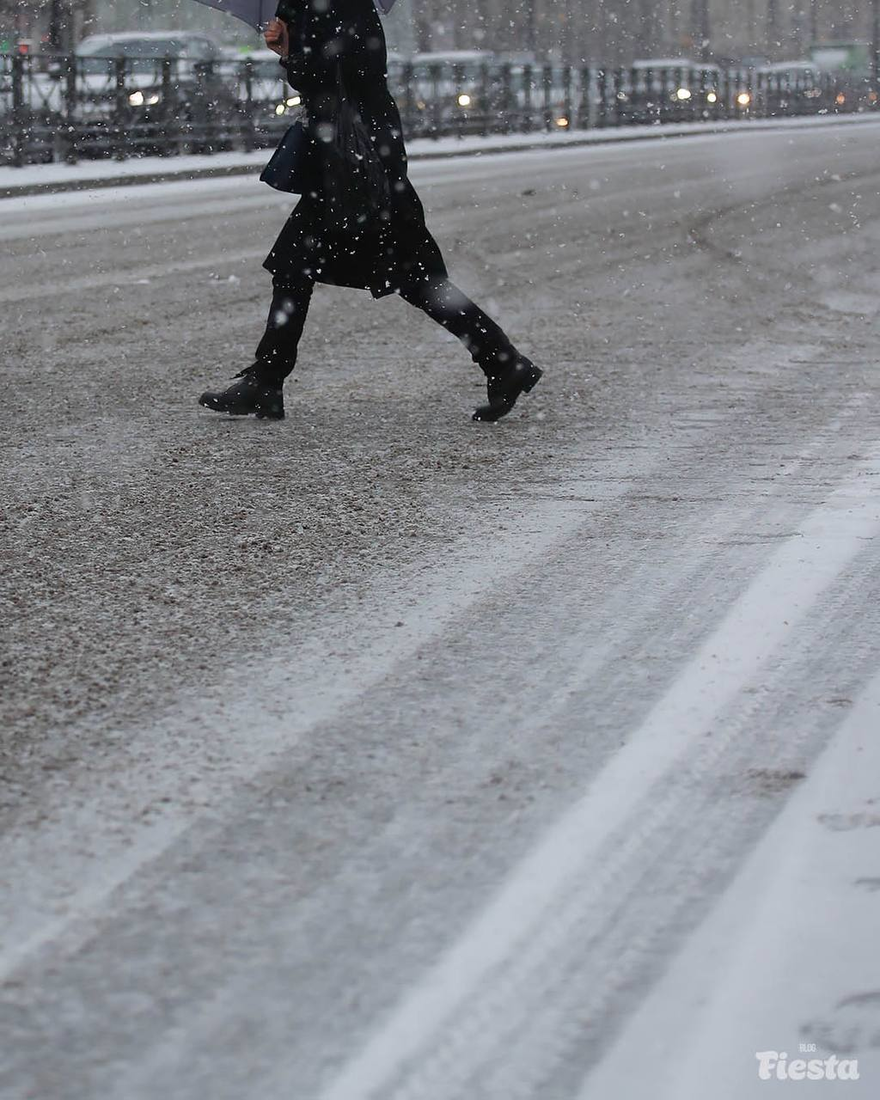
(439, 298)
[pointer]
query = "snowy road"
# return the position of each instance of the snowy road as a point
(380, 754)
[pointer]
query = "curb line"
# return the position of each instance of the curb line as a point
(61, 186)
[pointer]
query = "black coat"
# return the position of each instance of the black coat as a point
(346, 36)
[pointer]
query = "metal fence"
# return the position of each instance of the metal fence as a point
(78, 107)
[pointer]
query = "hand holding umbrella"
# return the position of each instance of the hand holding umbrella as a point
(277, 37)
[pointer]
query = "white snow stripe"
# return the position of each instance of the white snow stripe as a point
(768, 957)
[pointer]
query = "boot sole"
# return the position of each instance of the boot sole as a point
(490, 413)
(260, 414)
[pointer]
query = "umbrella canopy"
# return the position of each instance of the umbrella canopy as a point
(257, 13)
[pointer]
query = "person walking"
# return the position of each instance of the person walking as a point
(333, 49)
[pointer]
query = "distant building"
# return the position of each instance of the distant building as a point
(62, 23)
(48, 24)
(620, 31)
(579, 31)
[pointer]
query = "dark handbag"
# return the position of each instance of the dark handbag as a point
(291, 166)
(356, 191)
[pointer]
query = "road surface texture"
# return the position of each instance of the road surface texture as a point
(377, 754)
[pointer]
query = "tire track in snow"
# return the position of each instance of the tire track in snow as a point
(441, 1032)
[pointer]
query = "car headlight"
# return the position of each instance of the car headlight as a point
(288, 104)
(712, 97)
(683, 94)
(744, 99)
(138, 99)
(464, 100)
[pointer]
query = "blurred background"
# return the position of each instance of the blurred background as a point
(88, 78)
(568, 31)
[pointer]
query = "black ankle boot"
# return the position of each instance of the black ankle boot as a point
(505, 387)
(248, 396)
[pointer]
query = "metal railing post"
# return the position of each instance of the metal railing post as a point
(632, 76)
(652, 109)
(527, 98)
(70, 104)
(407, 75)
(874, 91)
(548, 98)
(170, 122)
(662, 94)
(436, 71)
(485, 93)
(458, 114)
(120, 146)
(248, 127)
(566, 96)
(617, 92)
(506, 124)
(602, 99)
(583, 120)
(19, 134)
(207, 122)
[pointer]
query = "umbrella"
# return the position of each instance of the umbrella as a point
(257, 13)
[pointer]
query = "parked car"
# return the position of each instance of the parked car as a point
(170, 79)
(143, 56)
(665, 90)
(448, 86)
(677, 90)
(790, 87)
(536, 94)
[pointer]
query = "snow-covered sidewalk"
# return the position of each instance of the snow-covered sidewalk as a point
(782, 976)
(36, 178)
